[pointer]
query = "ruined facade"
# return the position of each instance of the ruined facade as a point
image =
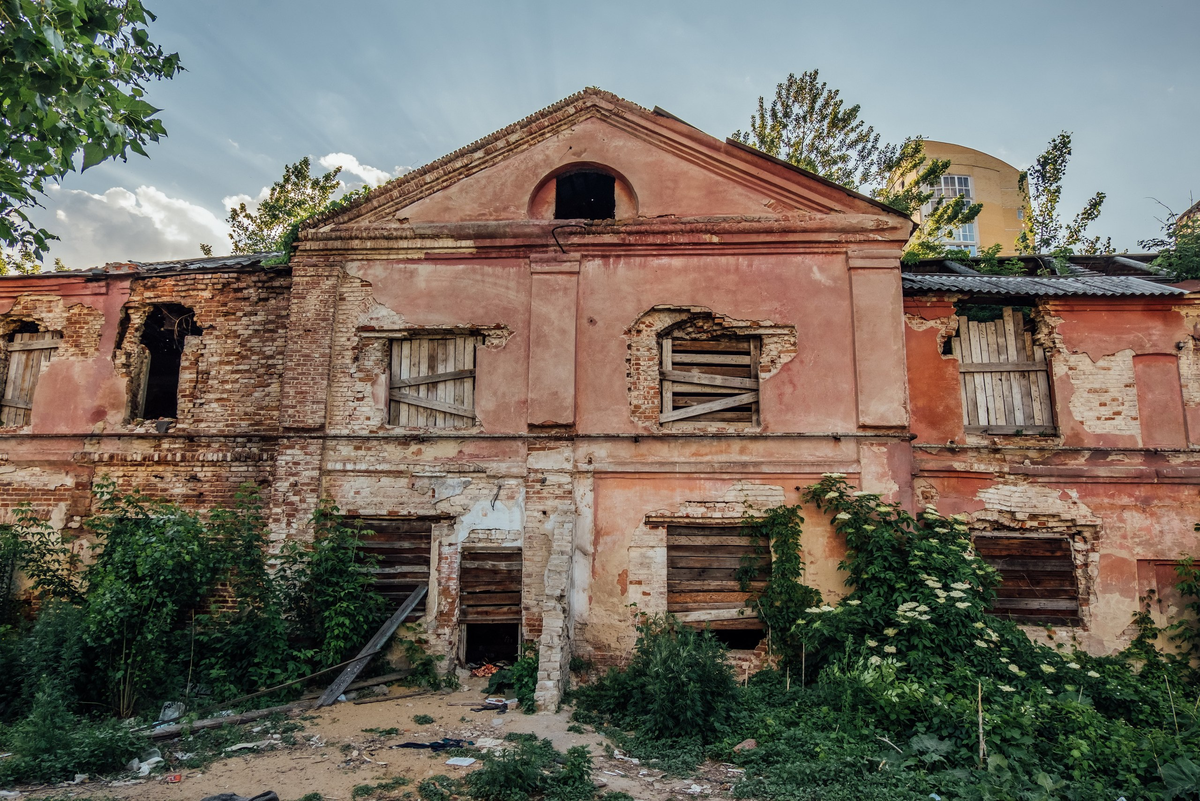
(565, 362)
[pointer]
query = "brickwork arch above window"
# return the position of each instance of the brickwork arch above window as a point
(685, 358)
(583, 191)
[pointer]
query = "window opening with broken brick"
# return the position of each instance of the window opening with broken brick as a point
(489, 597)
(704, 587)
(585, 195)
(27, 349)
(164, 337)
(403, 550)
(1004, 379)
(433, 381)
(1039, 582)
(710, 380)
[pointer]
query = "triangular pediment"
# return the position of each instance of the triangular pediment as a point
(669, 168)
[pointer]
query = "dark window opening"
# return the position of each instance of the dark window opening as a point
(1038, 583)
(401, 550)
(585, 196)
(491, 643)
(164, 335)
(739, 639)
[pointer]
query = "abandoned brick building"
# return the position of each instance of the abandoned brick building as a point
(554, 369)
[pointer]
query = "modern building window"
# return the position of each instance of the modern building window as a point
(1039, 583)
(953, 186)
(710, 380)
(433, 381)
(27, 349)
(585, 195)
(1004, 378)
(706, 565)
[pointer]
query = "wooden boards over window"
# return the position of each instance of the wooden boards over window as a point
(1039, 577)
(1003, 376)
(489, 585)
(405, 551)
(26, 355)
(702, 575)
(433, 382)
(710, 380)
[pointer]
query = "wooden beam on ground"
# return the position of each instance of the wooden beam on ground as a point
(176, 729)
(374, 646)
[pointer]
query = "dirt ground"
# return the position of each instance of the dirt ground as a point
(333, 754)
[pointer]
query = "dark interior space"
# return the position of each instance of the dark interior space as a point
(739, 639)
(585, 196)
(492, 642)
(166, 328)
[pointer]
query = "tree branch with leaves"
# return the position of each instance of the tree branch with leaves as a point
(1042, 185)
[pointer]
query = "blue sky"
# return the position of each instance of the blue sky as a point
(393, 85)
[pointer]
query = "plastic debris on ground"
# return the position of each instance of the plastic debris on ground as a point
(461, 762)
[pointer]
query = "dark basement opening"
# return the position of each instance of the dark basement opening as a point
(492, 642)
(739, 639)
(164, 334)
(585, 196)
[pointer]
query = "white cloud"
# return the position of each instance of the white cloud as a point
(372, 176)
(119, 225)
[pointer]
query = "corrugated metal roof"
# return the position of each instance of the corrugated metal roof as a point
(206, 263)
(1049, 286)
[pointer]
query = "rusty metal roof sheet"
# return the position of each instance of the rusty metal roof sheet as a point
(1038, 286)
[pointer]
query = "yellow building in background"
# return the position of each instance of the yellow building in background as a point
(988, 180)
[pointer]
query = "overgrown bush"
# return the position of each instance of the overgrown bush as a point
(678, 686)
(532, 769)
(148, 620)
(521, 678)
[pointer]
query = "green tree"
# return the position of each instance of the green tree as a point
(1044, 231)
(73, 77)
(809, 125)
(23, 262)
(296, 196)
(1178, 248)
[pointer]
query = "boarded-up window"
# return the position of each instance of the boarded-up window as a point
(1039, 577)
(27, 352)
(710, 380)
(489, 585)
(433, 382)
(703, 585)
(1003, 379)
(404, 549)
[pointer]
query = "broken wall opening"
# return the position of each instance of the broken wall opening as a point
(490, 601)
(27, 348)
(403, 549)
(164, 336)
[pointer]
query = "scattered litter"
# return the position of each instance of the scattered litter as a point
(485, 671)
(127, 783)
(461, 762)
(696, 789)
(244, 746)
(144, 765)
(174, 778)
(172, 710)
(10, 793)
(439, 745)
(497, 721)
(612, 773)
(746, 745)
(623, 758)
(489, 705)
(316, 741)
(183, 756)
(80, 778)
(488, 742)
(267, 796)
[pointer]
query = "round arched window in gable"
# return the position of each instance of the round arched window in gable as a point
(583, 191)
(585, 195)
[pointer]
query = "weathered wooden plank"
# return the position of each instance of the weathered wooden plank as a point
(674, 606)
(705, 379)
(16, 404)
(472, 614)
(490, 598)
(708, 358)
(1036, 603)
(706, 345)
(33, 344)
(708, 597)
(1007, 590)
(709, 541)
(716, 614)
(1043, 380)
(433, 379)
(710, 585)
(1006, 564)
(741, 548)
(434, 404)
(746, 623)
(710, 406)
(1015, 356)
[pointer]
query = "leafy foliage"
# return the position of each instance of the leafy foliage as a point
(521, 678)
(809, 125)
(294, 197)
(910, 178)
(73, 76)
(531, 769)
(782, 601)
(1042, 184)
(678, 686)
(989, 262)
(1178, 248)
